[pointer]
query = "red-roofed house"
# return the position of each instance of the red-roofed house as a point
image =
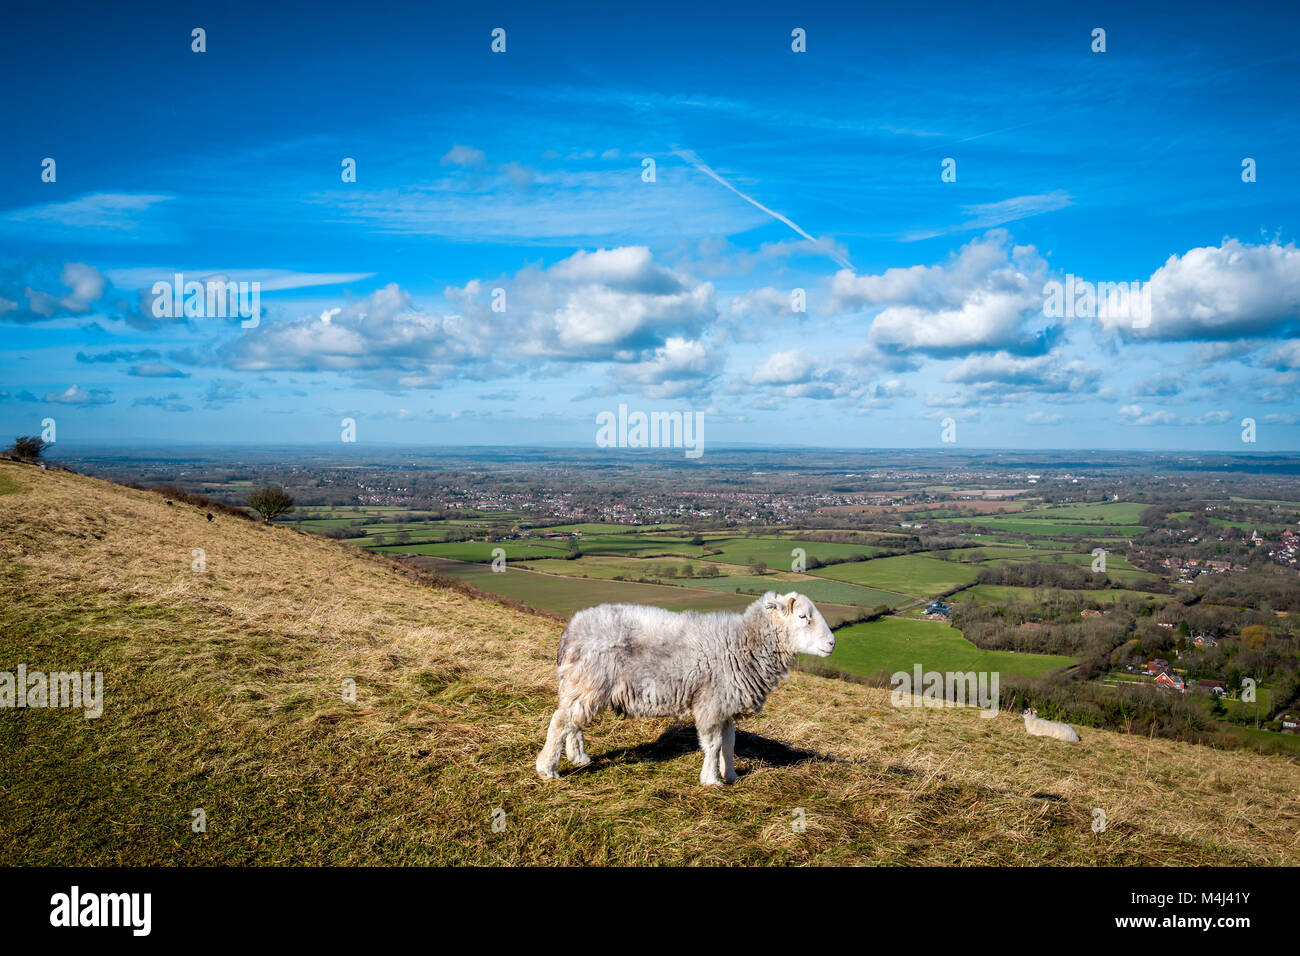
(1167, 679)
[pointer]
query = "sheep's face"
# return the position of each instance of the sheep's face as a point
(1029, 712)
(805, 625)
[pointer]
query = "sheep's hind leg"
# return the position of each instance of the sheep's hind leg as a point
(727, 755)
(575, 748)
(548, 761)
(711, 744)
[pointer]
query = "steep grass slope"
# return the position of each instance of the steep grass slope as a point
(224, 692)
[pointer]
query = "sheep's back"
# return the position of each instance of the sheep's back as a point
(1050, 728)
(634, 638)
(646, 661)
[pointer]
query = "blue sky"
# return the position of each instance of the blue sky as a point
(774, 171)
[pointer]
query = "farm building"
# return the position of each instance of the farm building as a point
(1216, 687)
(937, 611)
(1157, 667)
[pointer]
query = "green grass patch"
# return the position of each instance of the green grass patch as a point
(916, 574)
(898, 644)
(776, 552)
(836, 592)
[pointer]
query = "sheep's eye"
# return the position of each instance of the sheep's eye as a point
(803, 617)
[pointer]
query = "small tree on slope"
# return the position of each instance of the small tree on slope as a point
(271, 501)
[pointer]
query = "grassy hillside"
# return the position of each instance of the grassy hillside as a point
(223, 691)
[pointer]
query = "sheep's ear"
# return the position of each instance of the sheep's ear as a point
(789, 602)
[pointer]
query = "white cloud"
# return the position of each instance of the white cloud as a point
(383, 331)
(76, 395)
(268, 280)
(1164, 384)
(679, 368)
(615, 306)
(1220, 292)
(988, 296)
(518, 174)
(785, 368)
(987, 215)
(466, 156)
(1136, 415)
(115, 211)
(608, 305)
(1044, 418)
(1045, 373)
(561, 208)
(85, 286)
(155, 370)
(1209, 418)
(1286, 356)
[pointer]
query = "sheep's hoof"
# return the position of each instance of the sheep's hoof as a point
(731, 777)
(715, 782)
(546, 773)
(581, 761)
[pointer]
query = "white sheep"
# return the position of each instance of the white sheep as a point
(1048, 728)
(648, 662)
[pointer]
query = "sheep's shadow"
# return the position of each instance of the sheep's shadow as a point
(681, 739)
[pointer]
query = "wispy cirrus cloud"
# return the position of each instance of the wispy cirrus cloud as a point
(583, 206)
(269, 280)
(988, 215)
(92, 213)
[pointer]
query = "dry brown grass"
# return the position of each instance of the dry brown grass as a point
(223, 691)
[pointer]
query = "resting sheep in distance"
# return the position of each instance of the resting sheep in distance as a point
(648, 662)
(1048, 728)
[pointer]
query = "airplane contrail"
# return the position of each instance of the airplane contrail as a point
(699, 164)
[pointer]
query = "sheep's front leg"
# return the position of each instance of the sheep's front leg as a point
(727, 755)
(711, 744)
(548, 761)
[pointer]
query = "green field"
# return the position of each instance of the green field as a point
(775, 552)
(836, 592)
(1023, 524)
(897, 644)
(917, 574)
(564, 595)
(478, 550)
(994, 552)
(1107, 512)
(610, 566)
(638, 544)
